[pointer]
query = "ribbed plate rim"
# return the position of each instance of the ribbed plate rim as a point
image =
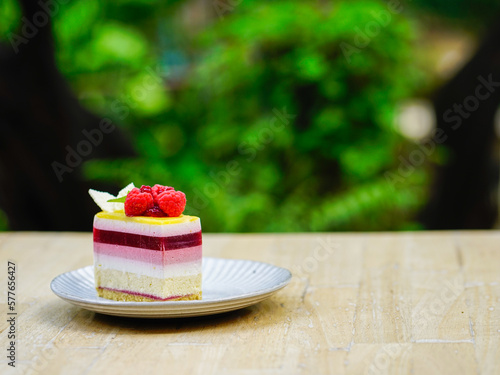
(174, 308)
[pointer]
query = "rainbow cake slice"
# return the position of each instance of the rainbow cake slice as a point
(141, 258)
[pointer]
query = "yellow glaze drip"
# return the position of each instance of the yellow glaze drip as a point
(120, 215)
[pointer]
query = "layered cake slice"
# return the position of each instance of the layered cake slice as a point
(141, 254)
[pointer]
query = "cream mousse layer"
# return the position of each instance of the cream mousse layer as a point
(149, 287)
(146, 268)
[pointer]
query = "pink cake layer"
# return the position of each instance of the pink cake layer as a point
(185, 255)
(147, 242)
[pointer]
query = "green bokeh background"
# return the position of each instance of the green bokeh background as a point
(201, 88)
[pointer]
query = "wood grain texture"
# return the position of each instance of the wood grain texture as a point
(381, 303)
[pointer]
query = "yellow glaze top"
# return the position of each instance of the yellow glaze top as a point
(120, 215)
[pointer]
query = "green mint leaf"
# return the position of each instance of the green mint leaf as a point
(118, 200)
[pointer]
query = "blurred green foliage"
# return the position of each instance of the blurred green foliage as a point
(4, 222)
(275, 116)
(10, 18)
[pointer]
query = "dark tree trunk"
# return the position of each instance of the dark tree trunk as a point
(464, 196)
(39, 119)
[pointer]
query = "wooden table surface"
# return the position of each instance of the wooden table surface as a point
(398, 303)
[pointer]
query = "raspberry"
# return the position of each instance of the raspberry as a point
(134, 191)
(137, 203)
(158, 189)
(172, 202)
(146, 189)
(155, 211)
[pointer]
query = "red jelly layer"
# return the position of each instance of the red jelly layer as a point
(147, 242)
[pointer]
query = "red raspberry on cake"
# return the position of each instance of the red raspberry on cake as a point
(155, 211)
(172, 202)
(138, 202)
(158, 189)
(146, 189)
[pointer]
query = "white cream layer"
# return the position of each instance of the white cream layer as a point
(102, 261)
(129, 226)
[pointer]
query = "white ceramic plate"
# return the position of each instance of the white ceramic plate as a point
(228, 284)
